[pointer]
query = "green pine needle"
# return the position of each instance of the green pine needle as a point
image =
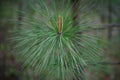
(48, 42)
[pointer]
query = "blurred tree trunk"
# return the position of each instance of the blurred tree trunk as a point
(110, 29)
(21, 6)
(2, 44)
(75, 11)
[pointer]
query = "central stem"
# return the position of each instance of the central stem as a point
(60, 24)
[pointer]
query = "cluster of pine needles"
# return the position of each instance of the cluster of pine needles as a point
(50, 43)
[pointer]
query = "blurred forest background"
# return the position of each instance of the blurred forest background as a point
(107, 14)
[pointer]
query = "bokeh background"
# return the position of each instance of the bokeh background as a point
(105, 12)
